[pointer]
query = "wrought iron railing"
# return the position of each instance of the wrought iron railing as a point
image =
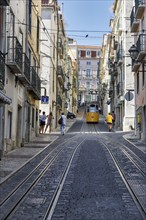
(33, 78)
(26, 67)
(141, 43)
(35, 83)
(15, 51)
(4, 2)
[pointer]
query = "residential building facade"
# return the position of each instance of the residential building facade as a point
(138, 24)
(73, 53)
(20, 82)
(104, 74)
(56, 64)
(88, 79)
(48, 54)
(122, 79)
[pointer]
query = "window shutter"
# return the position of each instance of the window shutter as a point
(83, 53)
(93, 53)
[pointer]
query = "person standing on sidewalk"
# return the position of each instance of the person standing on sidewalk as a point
(109, 121)
(63, 123)
(43, 118)
(49, 122)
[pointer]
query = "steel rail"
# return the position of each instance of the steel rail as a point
(135, 146)
(11, 197)
(55, 198)
(142, 170)
(123, 176)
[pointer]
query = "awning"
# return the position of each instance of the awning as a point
(5, 99)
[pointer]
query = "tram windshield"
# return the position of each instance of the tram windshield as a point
(92, 108)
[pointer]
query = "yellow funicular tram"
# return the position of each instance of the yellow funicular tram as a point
(92, 113)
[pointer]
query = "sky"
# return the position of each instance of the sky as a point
(87, 20)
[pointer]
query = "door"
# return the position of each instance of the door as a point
(27, 127)
(19, 126)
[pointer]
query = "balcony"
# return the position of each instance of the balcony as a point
(134, 21)
(24, 77)
(14, 57)
(4, 2)
(2, 71)
(141, 46)
(60, 75)
(139, 8)
(35, 84)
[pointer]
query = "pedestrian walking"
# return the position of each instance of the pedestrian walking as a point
(42, 122)
(49, 122)
(114, 118)
(62, 122)
(109, 121)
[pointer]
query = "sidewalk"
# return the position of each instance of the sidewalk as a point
(132, 138)
(16, 158)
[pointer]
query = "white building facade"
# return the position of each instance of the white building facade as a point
(122, 78)
(88, 78)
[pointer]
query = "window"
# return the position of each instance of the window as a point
(70, 41)
(88, 72)
(137, 82)
(87, 85)
(88, 63)
(82, 53)
(79, 53)
(12, 20)
(98, 53)
(9, 125)
(20, 37)
(88, 53)
(93, 53)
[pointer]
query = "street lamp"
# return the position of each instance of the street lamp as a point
(133, 52)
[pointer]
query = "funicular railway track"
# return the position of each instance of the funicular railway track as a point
(132, 174)
(53, 170)
(130, 162)
(131, 165)
(58, 159)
